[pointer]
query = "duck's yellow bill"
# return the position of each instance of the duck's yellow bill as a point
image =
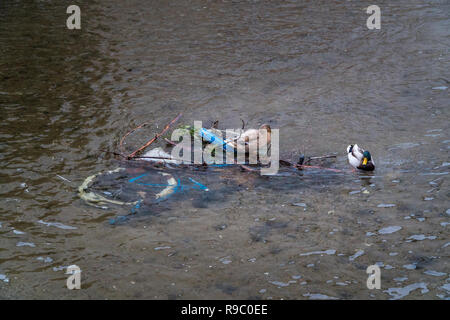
(364, 161)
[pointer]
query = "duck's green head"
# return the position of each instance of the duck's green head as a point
(366, 157)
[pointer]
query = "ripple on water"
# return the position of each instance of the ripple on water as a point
(356, 255)
(409, 266)
(389, 230)
(162, 248)
(282, 284)
(398, 293)
(401, 279)
(225, 260)
(25, 244)
(420, 237)
(329, 252)
(406, 145)
(435, 273)
(57, 225)
(319, 296)
(386, 205)
(46, 259)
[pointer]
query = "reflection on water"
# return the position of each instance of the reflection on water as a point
(311, 69)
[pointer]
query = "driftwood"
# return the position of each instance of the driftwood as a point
(133, 154)
(302, 164)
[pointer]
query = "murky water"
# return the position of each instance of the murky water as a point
(311, 69)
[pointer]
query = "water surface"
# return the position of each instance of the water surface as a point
(311, 69)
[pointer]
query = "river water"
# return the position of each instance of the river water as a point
(310, 68)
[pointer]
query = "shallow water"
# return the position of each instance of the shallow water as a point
(311, 69)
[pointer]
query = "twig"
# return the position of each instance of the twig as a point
(301, 166)
(114, 153)
(317, 158)
(61, 177)
(133, 154)
(128, 133)
(243, 124)
(170, 142)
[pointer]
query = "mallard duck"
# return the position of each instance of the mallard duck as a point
(360, 158)
(250, 137)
